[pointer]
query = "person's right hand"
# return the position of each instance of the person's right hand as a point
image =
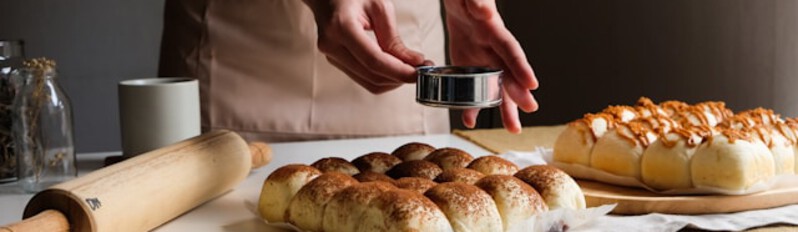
(378, 66)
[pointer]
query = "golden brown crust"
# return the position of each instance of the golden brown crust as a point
(413, 151)
(415, 184)
(415, 168)
(493, 165)
(287, 171)
(516, 188)
(378, 162)
(466, 199)
(318, 192)
(404, 205)
(373, 176)
(449, 157)
(541, 177)
(464, 175)
(335, 164)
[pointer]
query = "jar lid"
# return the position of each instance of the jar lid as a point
(10, 48)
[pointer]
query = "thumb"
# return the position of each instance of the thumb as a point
(481, 9)
(383, 21)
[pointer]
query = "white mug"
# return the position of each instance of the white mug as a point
(156, 112)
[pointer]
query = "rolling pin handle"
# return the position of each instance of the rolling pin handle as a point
(48, 220)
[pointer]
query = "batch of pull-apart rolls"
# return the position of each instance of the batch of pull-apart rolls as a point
(416, 188)
(673, 145)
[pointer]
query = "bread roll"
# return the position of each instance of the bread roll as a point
(493, 165)
(415, 184)
(373, 176)
(413, 151)
(716, 108)
(619, 150)
(261, 154)
(696, 116)
(280, 187)
(415, 168)
(575, 144)
(671, 108)
(464, 175)
(306, 209)
(515, 200)
(345, 210)
(467, 207)
(666, 163)
(762, 116)
(449, 157)
(556, 187)
(780, 148)
(622, 113)
(790, 128)
(335, 164)
(378, 162)
(731, 160)
(403, 210)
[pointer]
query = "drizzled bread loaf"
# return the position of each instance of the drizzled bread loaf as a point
(459, 198)
(677, 146)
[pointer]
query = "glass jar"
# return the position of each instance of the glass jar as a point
(11, 56)
(42, 128)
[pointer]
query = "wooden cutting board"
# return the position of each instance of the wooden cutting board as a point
(639, 201)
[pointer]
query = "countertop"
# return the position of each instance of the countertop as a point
(235, 210)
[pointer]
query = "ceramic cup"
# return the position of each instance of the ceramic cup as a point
(156, 112)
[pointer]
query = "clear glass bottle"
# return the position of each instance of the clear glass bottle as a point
(42, 128)
(11, 56)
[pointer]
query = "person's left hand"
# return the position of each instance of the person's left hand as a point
(477, 37)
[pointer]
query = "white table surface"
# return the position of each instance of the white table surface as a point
(235, 211)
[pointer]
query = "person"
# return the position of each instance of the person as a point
(286, 70)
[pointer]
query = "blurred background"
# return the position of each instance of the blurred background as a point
(586, 54)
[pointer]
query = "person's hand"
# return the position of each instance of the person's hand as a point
(477, 37)
(378, 66)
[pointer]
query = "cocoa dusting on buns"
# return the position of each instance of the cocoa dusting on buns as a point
(467, 207)
(464, 175)
(347, 207)
(335, 164)
(415, 184)
(378, 162)
(373, 176)
(306, 209)
(415, 168)
(280, 187)
(493, 165)
(449, 157)
(413, 151)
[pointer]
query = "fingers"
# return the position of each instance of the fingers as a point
(520, 95)
(382, 16)
(369, 53)
(344, 61)
(512, 55)
(481, 9)
(509, 112)
(469, 118)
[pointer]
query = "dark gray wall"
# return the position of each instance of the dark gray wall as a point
(590, 54)
(96, 44)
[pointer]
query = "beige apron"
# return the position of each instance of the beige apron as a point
(261, 74)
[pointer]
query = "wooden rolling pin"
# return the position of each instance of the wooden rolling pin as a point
(145, 191)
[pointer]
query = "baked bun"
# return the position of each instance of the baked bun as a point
(415, 168)
(515, 200)
(335, 164)
(403, 210)
(556, 187)
(413, 151)
(306, 209)
(575, 144)
(619, 150)
(345, 210)
(493, 165)
(378, 162)
(373, 176)
(416, 184)
(449, 157)
(261, 154)
(280, 187)
(666, 163)
(467, 207)
(731, 160)
(464, 175)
